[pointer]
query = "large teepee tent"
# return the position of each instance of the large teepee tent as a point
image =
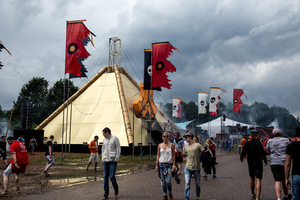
(104, 101)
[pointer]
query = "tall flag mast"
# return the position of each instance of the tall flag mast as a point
(76, 40)
(202, 103)
(214, 99)
(177, 107)
(237, 93)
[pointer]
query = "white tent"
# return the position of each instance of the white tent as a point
(213, 127)
(104, 101)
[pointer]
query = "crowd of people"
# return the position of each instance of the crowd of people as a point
(172, 153)
(282, 152)
(111, 151)
(283, 155)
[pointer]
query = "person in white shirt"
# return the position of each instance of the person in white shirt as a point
(111, 151)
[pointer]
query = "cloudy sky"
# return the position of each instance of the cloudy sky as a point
(252, 45)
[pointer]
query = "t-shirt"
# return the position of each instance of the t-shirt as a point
(293, 150)
(32, 142)
(21, 152)
(3, 146)
(49, 143)
(255, 152)
(194, 153)
(277, 147)
(178, 144)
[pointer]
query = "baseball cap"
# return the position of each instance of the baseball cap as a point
(187, 134)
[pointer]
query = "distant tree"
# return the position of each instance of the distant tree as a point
(190, 110)
(2, 113)
(56, 94)
(35, 92)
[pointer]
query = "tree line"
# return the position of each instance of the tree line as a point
(259, 114)
(36, 101)
(44, 100)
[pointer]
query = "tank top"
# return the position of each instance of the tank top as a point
(165, 155)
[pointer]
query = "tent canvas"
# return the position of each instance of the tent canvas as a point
(99, 104)
(213, 127)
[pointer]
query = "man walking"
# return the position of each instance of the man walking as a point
(179, 143)
(276, 147)
(94, 153)
(111, 151)
(49, 156)
(18, 164)
(292, 154)
(192, 167)
(255, 154)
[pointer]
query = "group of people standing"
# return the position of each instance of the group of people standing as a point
(170, 157)
(282, 153)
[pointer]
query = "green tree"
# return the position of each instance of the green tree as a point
(56, 93)
(35, 93)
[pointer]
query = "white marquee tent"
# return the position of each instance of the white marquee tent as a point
(213, 127)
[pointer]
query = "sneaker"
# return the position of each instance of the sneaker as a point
(253, 197)
(46, 174)
(18, 189)
(214, 176)
(116, 193)
(171, 197)
(197, 198)
(4, 194)
(165, 197)
(288, 197)
(205, 176)
(257, 198)
(105, 197)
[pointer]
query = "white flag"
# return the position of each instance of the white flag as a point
(177, 107)
(214, 99)
(202, 96)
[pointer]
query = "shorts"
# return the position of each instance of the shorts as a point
(32, 147)
(278, 172)
(12, 169)
(178, 157)
(3, 155)
(94, 157)
(255, 170)
(50, 161)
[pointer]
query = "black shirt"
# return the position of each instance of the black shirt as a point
(293, 149)
(49, 143)
(255, 152)
(3, 146)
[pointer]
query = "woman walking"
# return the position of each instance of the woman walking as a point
(165, 163)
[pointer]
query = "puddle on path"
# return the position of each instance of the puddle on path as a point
(68, 182)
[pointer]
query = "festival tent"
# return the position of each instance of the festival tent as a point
(214, 127)
(105, 101)
(183, 125)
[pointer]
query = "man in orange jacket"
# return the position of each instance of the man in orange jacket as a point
(94, 153)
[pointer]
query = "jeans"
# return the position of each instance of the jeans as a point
(188, 176)
(165, 172)
(109, 170)
(296, 187)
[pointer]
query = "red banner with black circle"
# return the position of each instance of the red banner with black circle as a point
(77, 38)
(160, 64)
(237, 93)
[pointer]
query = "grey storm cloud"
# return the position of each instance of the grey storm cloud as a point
(251, 45)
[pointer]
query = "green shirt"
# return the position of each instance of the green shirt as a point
(194, 152)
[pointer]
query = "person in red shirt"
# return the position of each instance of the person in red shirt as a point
(18, 164)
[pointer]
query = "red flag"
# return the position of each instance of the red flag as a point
(77, 38)
(237, 93)
(160, 64)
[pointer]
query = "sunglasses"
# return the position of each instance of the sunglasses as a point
(165, 136)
